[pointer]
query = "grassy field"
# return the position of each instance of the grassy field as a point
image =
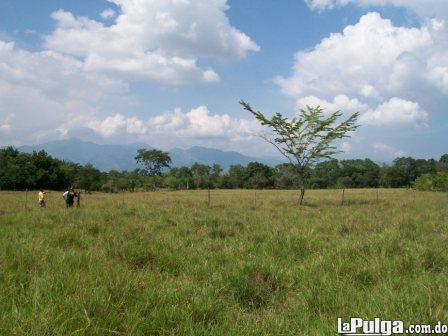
(166, 263)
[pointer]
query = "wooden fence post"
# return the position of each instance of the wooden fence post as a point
(255, 198)
(26, 199)
(343, 194)
(209, 198)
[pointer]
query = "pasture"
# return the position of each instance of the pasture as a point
(167, 263)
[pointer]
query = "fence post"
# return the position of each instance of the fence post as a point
(343, 194)
(208, 194)
(377, 195)
(26, 199)
(255, 198)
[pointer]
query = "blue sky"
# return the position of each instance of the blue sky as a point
(171, 72)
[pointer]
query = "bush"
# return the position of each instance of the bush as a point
(432, 182)
(172, 182)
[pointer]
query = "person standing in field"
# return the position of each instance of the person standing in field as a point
(41, 198)
(64, 196)
(69, 197)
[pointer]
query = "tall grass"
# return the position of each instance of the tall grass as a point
(166, 263)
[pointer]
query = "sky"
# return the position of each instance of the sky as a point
(171, 73)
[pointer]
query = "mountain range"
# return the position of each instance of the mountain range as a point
(121, 156)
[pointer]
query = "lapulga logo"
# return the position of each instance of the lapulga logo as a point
(376, 327)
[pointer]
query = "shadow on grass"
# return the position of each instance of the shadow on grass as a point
(339, 203)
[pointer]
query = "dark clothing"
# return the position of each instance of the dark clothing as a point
(70, 199)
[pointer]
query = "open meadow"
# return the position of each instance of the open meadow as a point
(250, 263)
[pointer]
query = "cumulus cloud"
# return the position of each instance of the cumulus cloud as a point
(107, 14)
(375, 68)
(395, 111)
(79, 81)
(44, 89)
(367, 59)
(392, 112)
(115, 124)
(345, 147)
(339, 103)
(158, 39)
(387, 150)
(5, 125)
(198, 123)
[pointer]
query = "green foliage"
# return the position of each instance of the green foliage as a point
(258, 176)
(89, 178)
(19, 171)
(432, 182)
(307, 138)
(286, 177)
(37, 170)
(153, 160)
(363, 173)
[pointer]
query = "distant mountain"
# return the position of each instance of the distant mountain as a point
(186, 157)
(121, 157)
(103, 157)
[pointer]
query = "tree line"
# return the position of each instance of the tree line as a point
(20, 171)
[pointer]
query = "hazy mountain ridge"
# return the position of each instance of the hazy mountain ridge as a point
(121, 156)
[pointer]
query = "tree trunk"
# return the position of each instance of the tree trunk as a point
(302, 194)
(302, 186)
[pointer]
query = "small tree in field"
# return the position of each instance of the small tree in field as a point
(153, 161)
(306, 139)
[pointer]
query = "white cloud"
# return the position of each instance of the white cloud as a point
(81, 77)
(115, 124)
(364, 60)
(46, 95)
(5, 125)
(424, 8)
(386, 150)
(45, 89)
(109, 126)
(5, 128)
(373, 67)
(198, 123)
(395, 111)
(339, 103)
(158, 39)
(345, 147)
(392, 112)
(107, 14)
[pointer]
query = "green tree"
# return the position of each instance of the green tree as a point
(258, 176)
(215, 175)
(285, 176)
(236, 175)
(392, 177)
(432, 182)
(201, 175)
(172, 182)
(305, 140)
(153, 161)
(89, 178)
(442, 165)
(363, 173)
(325, 174)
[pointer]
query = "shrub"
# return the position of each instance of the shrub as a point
(432, 182)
